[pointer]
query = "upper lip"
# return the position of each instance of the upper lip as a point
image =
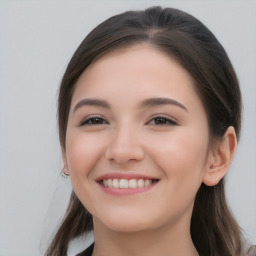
(128, 176)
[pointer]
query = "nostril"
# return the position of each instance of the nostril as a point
(124, 154)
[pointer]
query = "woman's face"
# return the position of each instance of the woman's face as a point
(137, 140)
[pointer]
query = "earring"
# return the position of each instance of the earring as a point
(65, 172)
(212, 177)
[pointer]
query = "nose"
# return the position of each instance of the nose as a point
(124, 146)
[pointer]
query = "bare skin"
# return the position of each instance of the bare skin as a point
(136, 115)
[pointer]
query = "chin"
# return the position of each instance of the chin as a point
(125, 222)
(126, 226)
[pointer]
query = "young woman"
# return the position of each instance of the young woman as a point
(149, 117)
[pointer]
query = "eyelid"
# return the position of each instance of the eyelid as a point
(169, 119)
(92, 116)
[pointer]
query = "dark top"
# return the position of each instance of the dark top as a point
(89, 250)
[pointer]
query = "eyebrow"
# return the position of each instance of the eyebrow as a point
(91, 102)
(162, 101)
(151, 102)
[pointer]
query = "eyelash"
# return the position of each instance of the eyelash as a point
(89, 120)
(164, 121)
(101, 121)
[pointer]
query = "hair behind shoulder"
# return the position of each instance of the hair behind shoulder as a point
(213, 229)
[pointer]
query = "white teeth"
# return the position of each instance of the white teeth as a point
(105, 183)
(109, 183)
(148, 183)
(115, 183)
(125, 183)
(132, 183)
(140, 183)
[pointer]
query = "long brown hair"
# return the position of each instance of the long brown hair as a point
(213, 229)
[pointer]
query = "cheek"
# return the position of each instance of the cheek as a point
(182, 160)
(82, 152)
(183, 154)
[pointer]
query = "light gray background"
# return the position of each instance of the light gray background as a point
(37, 40)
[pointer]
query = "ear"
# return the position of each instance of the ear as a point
(65, 163)
(220, 157)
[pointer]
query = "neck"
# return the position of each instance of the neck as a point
(161, 241)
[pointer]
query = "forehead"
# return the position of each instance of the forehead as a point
(127, 77)
(136, 71)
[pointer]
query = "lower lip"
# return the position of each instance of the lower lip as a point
(126, 191)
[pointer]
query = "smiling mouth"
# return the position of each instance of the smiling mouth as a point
(127, 183)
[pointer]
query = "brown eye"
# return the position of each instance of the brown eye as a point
(161, 121)
(94, 121)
